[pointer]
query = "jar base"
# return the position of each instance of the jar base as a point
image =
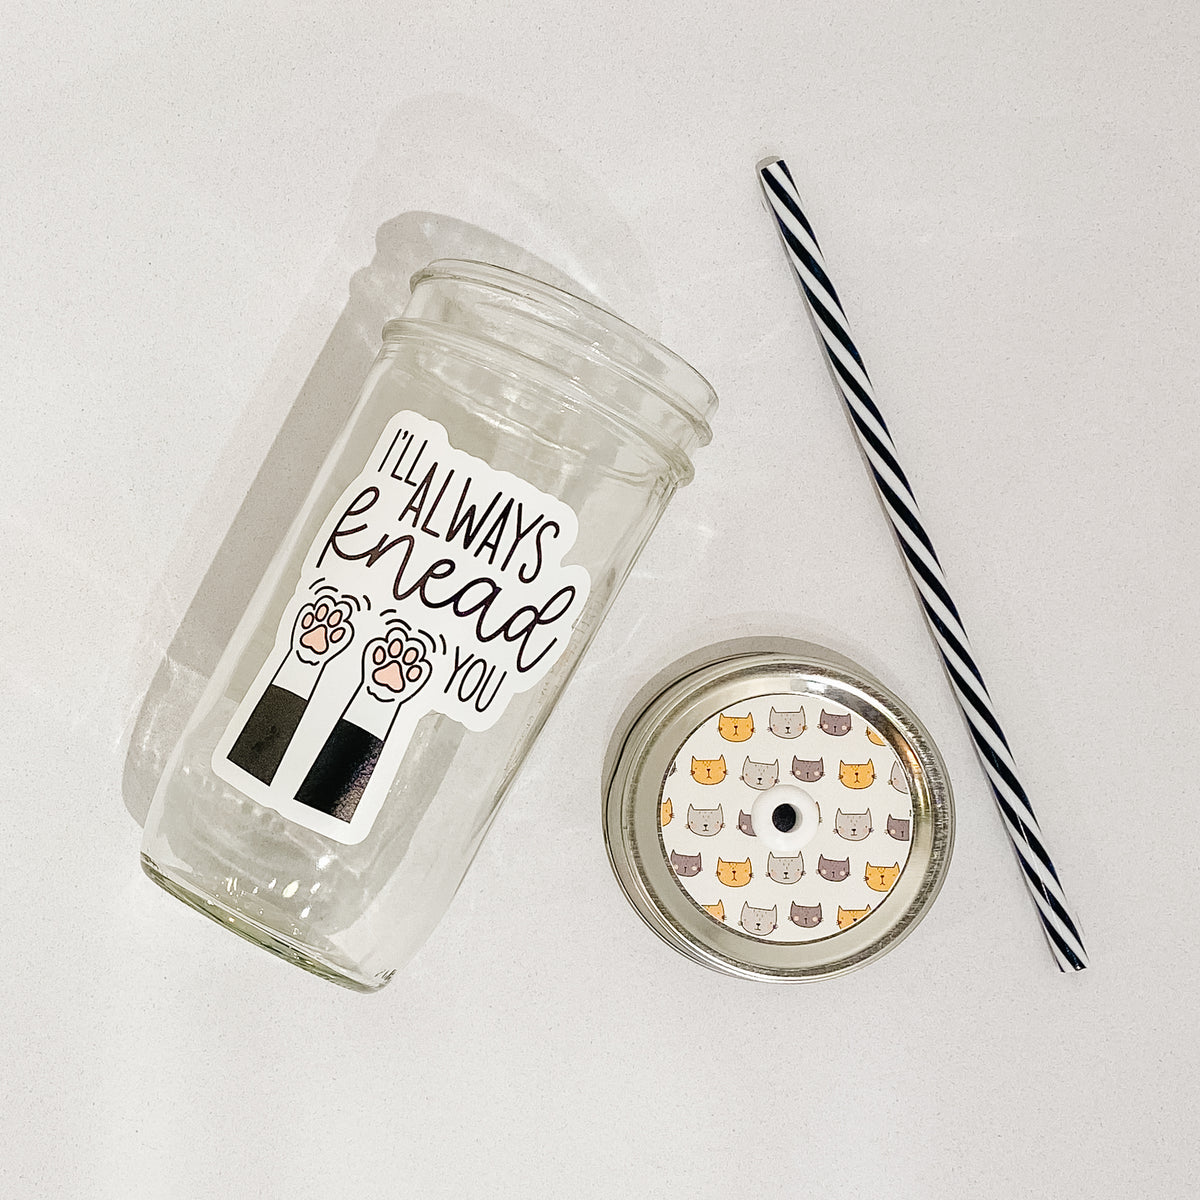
(272, 940)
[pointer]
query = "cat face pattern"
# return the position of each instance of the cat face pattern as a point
(834, 869)
(857, 775)
(736, 729)
(785, 868)
(808, 770)
(761, 775)
(709, 771)
(850, 916)
(706, 822)
(880, 879)
(734, 874)
(760, 921)
(787, 724)
(686, 866)
(854, 827)
(835, 724)
(748, 883)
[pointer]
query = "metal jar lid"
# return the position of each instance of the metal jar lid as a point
(772, 811)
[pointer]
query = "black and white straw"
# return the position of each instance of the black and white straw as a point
(854, 386)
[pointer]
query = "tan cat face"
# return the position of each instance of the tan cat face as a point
(847, 916)
(715, 910)
(734, 874)
(708, 770)
(872, 736)
(667, 812)
(857, 775)
(736, 729)
(880, 879)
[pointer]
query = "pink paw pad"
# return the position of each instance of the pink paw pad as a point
(324, 625)
(399, 666)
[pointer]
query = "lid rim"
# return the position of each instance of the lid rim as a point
(699, 411)
(635, 780)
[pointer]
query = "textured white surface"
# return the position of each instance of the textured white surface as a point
(1006, 200)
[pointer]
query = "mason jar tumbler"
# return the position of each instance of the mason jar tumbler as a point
(512, 450)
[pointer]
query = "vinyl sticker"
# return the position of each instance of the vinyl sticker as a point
(436, 584)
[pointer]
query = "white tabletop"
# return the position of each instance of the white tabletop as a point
(1006, 200)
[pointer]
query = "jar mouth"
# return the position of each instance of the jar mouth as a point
(606, 340)
(490, 354)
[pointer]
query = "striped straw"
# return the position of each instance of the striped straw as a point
(850, 376)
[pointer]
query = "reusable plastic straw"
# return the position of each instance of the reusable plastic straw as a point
(853, 385)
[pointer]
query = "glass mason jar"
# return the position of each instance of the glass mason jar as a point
(512, 449)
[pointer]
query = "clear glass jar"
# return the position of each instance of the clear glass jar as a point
(513, 448)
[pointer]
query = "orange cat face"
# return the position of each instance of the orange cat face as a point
(857, 775)
(880, 879)
(667, 812)
(736, 729)
(715, 910)
(708, 770)
(874, 737)
(847, 916)
(734, 874)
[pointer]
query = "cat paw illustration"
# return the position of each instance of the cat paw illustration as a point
(396, 667)
(323, 628)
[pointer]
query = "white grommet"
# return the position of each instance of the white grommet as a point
(790, 807)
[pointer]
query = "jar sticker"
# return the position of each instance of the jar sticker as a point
(436, 584)
(786, 818)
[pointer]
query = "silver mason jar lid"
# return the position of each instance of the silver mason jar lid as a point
(772, 811)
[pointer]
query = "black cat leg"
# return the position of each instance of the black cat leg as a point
(395, 668)
(336, 781)
(268, 732)
(265, 737)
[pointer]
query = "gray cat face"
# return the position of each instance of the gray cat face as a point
(807, 916)
(707, 822)
(686, 865)
(835, 726)
(833, 869)
(853, 826)
(744, 824)
(898, 779)
(808, 770)
(897, 827)
(785, 869)
(759, 920)
(787, 724)
(761, 776)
